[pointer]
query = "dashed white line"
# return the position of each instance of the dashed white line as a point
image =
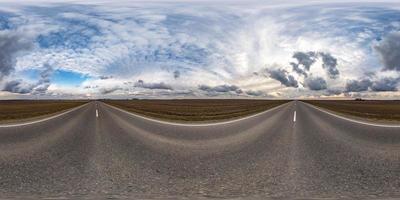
(97, 113)
(294, 116)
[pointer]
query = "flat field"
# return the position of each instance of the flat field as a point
(375, 110)
(195, 110)
(16, 110)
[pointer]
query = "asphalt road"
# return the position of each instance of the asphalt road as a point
(291, 151)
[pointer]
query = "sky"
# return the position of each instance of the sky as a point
(199, 49)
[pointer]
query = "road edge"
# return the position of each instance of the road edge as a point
(349, 119)
(44, 119)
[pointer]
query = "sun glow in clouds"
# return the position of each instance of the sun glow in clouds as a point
(182, 49)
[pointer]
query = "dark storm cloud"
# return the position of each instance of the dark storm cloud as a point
(160, 86)
(91, 87)
(329, 64)
(315, 83)
(385, 84)
(389, 51)
(298, 70)
(40, 87)
(221, 88)
(11, 43)
(109, 90)
(305, 58)
(18, 86)
(44, 82)
(333, 92)
(105, 77)
(254, 93)
(177, 74)
(358, 86)
(304, 62)
(283, 77)
(379, 85)
(46, 74)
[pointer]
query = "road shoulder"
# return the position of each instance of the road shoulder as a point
(371, 121)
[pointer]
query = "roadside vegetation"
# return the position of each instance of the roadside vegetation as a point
(15, 110)
(379, 110)
(195, 110)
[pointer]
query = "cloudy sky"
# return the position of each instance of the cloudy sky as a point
(199, 49)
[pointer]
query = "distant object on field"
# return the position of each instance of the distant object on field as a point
(359, 99)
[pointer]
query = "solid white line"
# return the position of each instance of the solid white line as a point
(294, 116)
(97, 113)
(206, 124)
(353, 120)
(41, 120)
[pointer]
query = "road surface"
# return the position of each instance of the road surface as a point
(291, 151)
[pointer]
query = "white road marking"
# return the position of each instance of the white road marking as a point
(206, 124)
(97, 113)
(41, 120)
(294, 116)
(353, 120)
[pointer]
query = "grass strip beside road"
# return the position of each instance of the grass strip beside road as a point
(22, 110)
(196, 110)
(371, 110)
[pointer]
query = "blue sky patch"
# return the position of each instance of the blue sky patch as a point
(31, 74)
(68, 78)
(59, 77)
